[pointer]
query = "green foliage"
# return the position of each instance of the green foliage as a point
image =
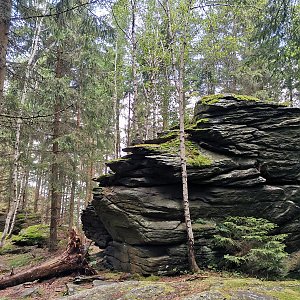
(32, 235)
(7, 248)
(250, 247)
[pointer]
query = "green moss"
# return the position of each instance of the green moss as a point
(32, 235)
(104, 178)
(169, 135)
(193, 155)
(286, 294)
(200, 121)
(245, 98)
(140, 277)
(285, 103)
(198, 161)
(7, 248)
(211, 99)
(116, 160)
(20, 260)
(281, 290)
(152, 278)
(195, 125)
(153, 147)
(24, 259)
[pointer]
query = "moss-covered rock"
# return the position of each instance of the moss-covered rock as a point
(194, 156)
(243, 160)
(211, 99)
(32, 235)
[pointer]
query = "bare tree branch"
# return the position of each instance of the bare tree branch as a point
(57, 13)
(36, 116)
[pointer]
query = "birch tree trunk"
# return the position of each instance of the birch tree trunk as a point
(135, 102)
(178, 73)
(10, 218)
(117, 105)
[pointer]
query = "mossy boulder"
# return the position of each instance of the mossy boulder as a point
(242, 160)
(33, 235)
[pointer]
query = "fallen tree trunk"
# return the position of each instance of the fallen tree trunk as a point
(73, 259)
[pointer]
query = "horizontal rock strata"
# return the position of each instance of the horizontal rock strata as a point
(243, 160)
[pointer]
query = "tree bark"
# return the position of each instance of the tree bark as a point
(179, 82)
(136, 128)
(128, 133)
(117, 105)
(88, 193)
(73, 259)
(55, 191)
(72, 199)
(5, 14)
(37, 192)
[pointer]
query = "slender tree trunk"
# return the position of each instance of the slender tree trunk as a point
(136, 122)
(24, 193)
(55, 190)
(37, 192)
(165, 103)
(129, 121)
(187, 216)
(47, 203)
(5, 14)
(88, 193)
(179, 82)
(72, 200)
(117, 105)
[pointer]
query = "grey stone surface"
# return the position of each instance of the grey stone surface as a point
(254, 149)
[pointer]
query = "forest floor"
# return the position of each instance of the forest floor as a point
(122, 286)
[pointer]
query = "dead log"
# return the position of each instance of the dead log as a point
(73, 259)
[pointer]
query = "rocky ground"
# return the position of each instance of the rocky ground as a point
(108, 285)
(184, 287)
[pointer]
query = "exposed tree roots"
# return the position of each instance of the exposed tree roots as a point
(73, 259)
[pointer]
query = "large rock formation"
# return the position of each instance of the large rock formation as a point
(243, 160)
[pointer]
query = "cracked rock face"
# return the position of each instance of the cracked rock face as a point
(243, 160)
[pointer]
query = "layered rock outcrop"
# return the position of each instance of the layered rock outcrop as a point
(243, 159)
